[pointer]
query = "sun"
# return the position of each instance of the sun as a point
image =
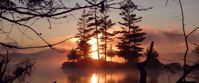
(94, 78)
(93, 43)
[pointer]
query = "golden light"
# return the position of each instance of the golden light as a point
(93, 43)
(94, 78)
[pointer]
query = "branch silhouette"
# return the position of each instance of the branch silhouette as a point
(42, 46)
(186, 71)
(32, 10)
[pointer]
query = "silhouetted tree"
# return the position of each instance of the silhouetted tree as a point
(142, 65)
(84, 34)
(95, 23)
(106, 23)
(83, 48)
(154, 53)
(19, 72)
(132, 35)
(73, 55)
(111, 52)
(153, 61)
(22, 70)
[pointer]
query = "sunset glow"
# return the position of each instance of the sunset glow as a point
(99, 41)
(94, 78)
(93, 43)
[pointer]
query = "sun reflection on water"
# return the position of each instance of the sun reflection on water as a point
(94, 78)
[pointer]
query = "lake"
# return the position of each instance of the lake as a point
(48, 72)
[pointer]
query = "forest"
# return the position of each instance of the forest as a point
(109, 43)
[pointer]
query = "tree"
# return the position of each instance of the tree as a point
(153, 60)
(95, 23)
(19, 72)
(132, 35)
(142, 65)
(73, 55)
(84, 34)
(83, 48)
(154, 54)
(111, 52)
(106, 23)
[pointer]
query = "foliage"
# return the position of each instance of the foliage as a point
(19, 73)
(111, 52)
(95, 23)
(154, 53)
(106, 24)
(132, 35)
(23, 69)
(84, 48)
(142, 65)
(84, 34)
(73, 55)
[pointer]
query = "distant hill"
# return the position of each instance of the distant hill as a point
(167, 58)
(41, 54)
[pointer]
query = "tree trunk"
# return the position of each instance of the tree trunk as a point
(96, 29)
(142, 65)
(143, 72)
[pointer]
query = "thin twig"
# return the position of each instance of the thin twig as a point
(185, 39)
(192, 31)
(42, 46)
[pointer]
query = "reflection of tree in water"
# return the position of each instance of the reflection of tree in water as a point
(76, 76)
(111, 80)
(73, 78)
(129, 78)
(102, 77)
(153, 75)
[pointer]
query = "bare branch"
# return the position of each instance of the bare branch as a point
(188, 72)
(192, 31)
(42, 46)
(185, 39)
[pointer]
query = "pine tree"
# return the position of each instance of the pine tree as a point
(106, 24)
(154, 54)
(84, 35)
(132, 35)
(83, 49)
(153, 57)
(73, 55)
(95, 23)
(111, 53)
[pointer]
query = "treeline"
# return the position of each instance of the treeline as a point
(96, 21)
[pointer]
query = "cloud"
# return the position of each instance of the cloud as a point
(169, 41)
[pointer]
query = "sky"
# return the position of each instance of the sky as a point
(161, 23)
(159, 17)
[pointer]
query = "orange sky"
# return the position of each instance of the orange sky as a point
(162, 24)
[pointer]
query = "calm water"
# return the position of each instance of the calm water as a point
(48, 69)
(46, 72)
